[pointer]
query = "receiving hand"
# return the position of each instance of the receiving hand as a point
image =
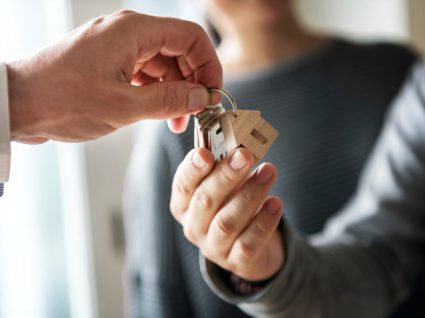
(225, 212)
(111, 72)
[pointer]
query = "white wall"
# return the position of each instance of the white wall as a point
(365, 20)
(417, 24)
(33, 264)
(106, 160)
(85, 10)
(358, 19)
(106, 163)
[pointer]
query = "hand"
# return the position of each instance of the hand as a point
(111, 72)
(225, 212)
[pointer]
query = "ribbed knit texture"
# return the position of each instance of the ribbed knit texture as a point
(328, 108)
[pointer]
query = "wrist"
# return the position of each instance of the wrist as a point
(252, 285)
(17, 116)
(246, 287)
(23, 115)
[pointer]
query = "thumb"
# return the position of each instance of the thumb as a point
(170, 99)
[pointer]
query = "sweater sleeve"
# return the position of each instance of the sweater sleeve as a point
(369, 256)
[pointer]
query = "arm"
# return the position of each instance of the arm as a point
(109, 73)
(369, 256)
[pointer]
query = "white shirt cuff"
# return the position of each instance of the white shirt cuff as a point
(4, 126)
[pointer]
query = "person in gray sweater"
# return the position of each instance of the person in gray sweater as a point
(328, 99)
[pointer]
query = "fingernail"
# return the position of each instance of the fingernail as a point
(238, 161)
(264, 174)
(197, 160)
(273, 206)
(199, 97)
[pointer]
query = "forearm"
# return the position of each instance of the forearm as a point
(342, 276)
(280, 298)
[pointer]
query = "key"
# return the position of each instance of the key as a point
(222, 131)
(208, 131)
(216, 141)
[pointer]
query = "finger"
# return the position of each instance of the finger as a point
(185, 69)
(193, 169)
(141, 79)
(252, 241)
(239, 211)
(214, 189)
(189, 76)
(172, 37)
(163, 67)
(160, 100)
(179, 124)
(32, 140)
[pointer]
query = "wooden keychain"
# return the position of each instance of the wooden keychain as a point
(222, 131)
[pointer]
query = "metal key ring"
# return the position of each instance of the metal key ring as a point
(229, 97)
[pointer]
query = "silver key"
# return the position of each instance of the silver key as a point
(208, 131)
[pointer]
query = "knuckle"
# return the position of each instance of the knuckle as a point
(195, 27)
(92, 27)
(208, 253)
(181, 189)
(200, 30)
(225, 224)
(174, 209)
(248, 195)
(225, 177)
(204, 199)
(109, 127)
(209, 250)
(170, 99)
(125, 12)
(245, 252)
(231, 266)
(190, 234)
(260, 230)
(97, 21)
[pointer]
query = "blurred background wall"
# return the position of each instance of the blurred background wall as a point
(61, 243)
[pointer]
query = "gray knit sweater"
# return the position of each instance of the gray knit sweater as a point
(328, 108)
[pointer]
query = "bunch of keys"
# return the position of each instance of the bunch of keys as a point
(221, 130)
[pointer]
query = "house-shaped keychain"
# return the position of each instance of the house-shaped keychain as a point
(223, 131)
(246, 128)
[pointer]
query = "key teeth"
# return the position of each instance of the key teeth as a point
(204, 123)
